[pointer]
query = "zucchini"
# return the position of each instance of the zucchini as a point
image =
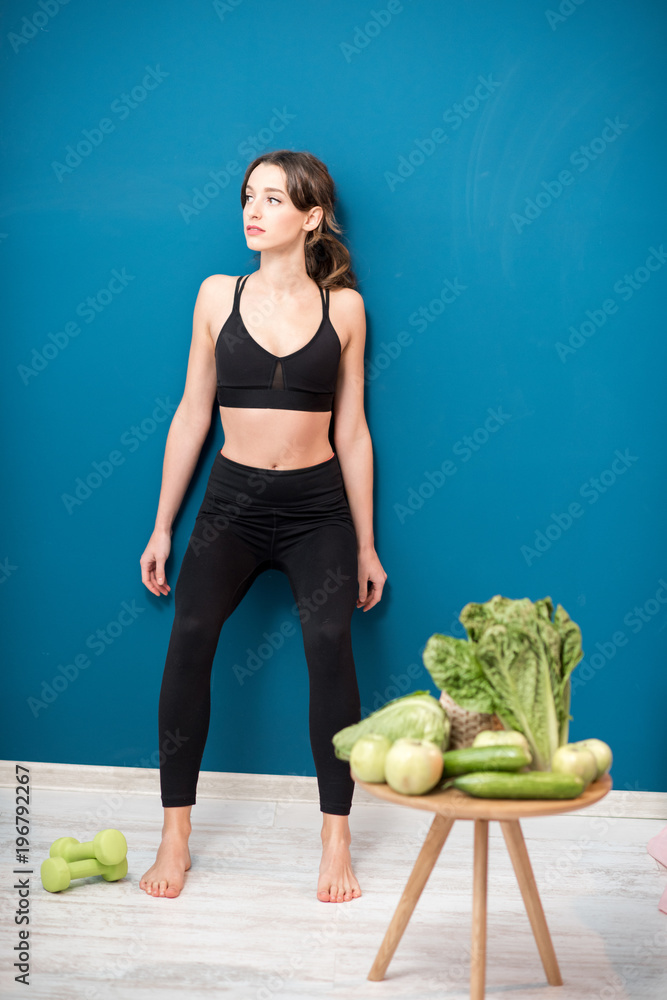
(531, 785)
(504, 758)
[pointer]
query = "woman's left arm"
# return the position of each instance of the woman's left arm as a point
(352, 443)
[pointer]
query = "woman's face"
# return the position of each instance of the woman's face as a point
(268, 208)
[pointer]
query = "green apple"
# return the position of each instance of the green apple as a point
(580, 761)
(502, 738)
(601, 752)
(367, 757)
(413, 767)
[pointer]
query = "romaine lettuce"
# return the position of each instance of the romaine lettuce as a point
(517, 663)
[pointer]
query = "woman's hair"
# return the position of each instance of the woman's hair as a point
(309, 183)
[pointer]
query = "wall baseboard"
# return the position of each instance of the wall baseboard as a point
(619, 803)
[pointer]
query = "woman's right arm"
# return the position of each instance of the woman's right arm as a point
(189, 426)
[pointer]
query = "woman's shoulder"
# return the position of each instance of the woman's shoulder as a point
(215, 281)
(347, 298)
(216, 289)
(347, 313)
(348, 302)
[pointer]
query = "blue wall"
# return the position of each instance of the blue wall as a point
(501, 178)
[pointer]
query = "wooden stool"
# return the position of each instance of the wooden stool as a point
(449, 806)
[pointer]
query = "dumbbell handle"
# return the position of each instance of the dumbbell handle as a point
(87, 867)
(109, 847)
(79, 852)
(57, 874)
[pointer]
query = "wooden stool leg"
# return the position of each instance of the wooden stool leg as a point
(516, 846)
(435, 838)
(478, 947)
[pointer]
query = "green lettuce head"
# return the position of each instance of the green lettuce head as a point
(418, 715)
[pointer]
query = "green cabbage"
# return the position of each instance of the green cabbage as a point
(418, 715)
(517, 663)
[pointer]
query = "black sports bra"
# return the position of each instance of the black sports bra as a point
(249, 375)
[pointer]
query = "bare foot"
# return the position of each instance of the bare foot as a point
(337, 882)
(167, 875)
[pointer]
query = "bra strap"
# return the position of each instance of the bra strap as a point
(240, 284)
(325, 302)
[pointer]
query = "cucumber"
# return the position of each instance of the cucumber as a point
(532, 785)
(504, 758)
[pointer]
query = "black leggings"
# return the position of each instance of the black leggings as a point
(251, 520)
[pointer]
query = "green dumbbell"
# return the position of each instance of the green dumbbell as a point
(57, 873)
(109, 848)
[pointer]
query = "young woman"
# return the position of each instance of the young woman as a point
(278, 496)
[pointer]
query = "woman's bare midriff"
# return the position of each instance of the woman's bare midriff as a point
(275, 439)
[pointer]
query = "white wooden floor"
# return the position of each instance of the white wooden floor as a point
(248, 924)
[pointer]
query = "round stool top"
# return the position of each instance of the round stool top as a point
(455, 804)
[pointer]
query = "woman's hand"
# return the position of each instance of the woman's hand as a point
(371, 578)
(152, 562)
